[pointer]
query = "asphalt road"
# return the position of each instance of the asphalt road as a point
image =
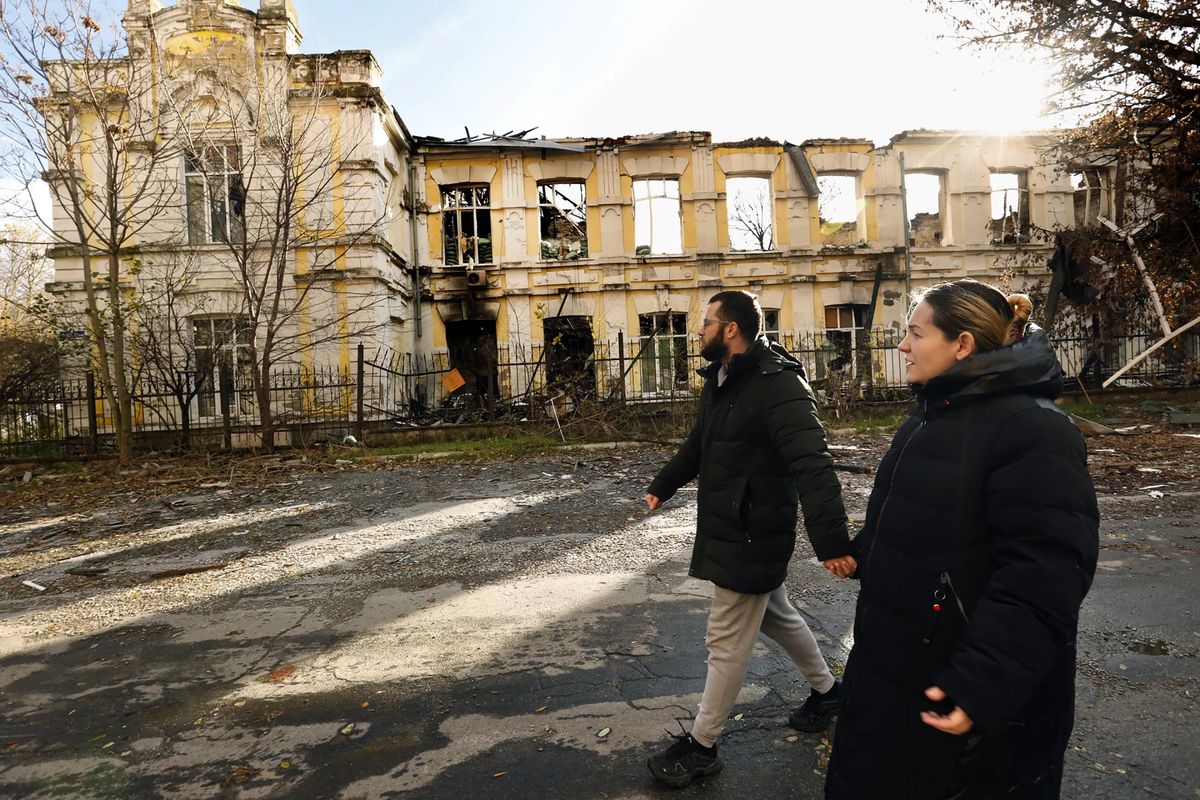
(496, 630)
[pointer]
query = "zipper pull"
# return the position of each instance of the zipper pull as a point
(938, 597)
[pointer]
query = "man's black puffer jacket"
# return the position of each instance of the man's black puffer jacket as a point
(984, 508)
(757, 448)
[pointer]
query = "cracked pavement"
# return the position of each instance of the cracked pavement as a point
(520, 630)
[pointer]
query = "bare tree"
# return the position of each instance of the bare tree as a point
(751, 214)
(1129, 71)
(24, 271)
(286, 244)
(29, 354)
(74, 112)
(166, 359)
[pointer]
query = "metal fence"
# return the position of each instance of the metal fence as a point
(512, 381)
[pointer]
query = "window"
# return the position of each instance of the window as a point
(749, 202)
(837, 206)
(664, 353)
(923, 196)
(1091, 187)
(215, 195)
(222, 348)
(1010, 208)
(562, 215)
(771, 324)
(657, 221)
(466, 225)
(843, 333)
(570, 354)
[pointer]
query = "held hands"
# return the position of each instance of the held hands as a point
(956, 722)
(653, 502)
(842, 567)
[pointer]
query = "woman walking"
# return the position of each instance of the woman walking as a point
(979, 545)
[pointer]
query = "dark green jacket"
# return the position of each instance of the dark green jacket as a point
(757, 449)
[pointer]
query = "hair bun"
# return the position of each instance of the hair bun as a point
(1021, 306)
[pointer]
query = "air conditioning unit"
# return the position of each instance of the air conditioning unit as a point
(476, 278)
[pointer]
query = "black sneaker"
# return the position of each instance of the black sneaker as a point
(684, 761)
(818, 710)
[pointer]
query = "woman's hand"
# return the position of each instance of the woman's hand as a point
(653, 502)
(842, 567)
(956, 722)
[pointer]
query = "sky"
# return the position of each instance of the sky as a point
(785, 70)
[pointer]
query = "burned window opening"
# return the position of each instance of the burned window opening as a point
(923, 192)
(843, 335)
(562, 215)
(1010, 208)
(837, 207)
(750, 214)
(664, 351)
(570, 355)
(1091, 196)
(466, 225)
(214, 194)
(657, 217)
(471, 345)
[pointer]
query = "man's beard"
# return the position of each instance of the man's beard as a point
(716, 350)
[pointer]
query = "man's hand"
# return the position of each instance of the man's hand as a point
(956, 722)
(652, 502)
(842, 567)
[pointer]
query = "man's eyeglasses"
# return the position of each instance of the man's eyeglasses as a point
(708, 322)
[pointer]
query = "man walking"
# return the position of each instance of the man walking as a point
(757, 449)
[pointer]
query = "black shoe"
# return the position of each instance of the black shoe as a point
(684, 761)
(818, 710)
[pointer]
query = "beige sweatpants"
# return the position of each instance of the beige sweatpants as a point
(734, 621)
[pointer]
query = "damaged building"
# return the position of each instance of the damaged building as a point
(569, 242)
(491, 252)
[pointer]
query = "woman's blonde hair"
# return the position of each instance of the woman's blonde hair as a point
(979, 309)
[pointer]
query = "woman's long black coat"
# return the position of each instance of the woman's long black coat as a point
(983, 508)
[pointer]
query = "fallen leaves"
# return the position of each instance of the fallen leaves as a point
(281, 674)
(239, 774)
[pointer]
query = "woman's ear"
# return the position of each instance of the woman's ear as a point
(964, 345)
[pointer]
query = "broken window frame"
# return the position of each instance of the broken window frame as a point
(1013, 226)
(570, 353)
(222, 345)
(468, 201)
(942, 235)
(844, 335)
(557, 209)
(770, 326)
(647, 220)
(214, 195)
(1097, 196)
(829, 235)
(758, 233)
(663, 342)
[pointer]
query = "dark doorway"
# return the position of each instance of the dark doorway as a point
(570, 355)
(472, 347)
